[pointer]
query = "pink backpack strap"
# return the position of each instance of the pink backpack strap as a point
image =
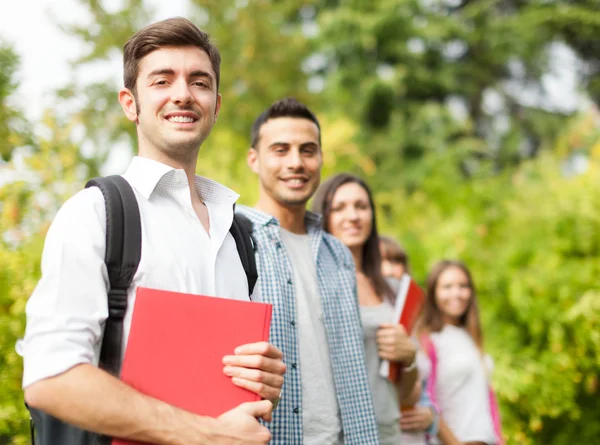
(495, 411)
(432, 380)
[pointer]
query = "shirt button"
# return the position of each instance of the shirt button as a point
(289, 281)
(294, 365)
(293, 323)
(278, 245)
(296, 410)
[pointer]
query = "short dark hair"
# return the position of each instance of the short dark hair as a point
(392, 251)
(170, 32)
(287, 107)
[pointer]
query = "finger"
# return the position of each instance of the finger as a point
(275, 366)
(387, 356)
(393, 336)
(407, 424)
(263, 390)
(392, 327)
(409, 428)
(385, 332)
(255, 375)
(416, 419)
(386, 349)
(386, 340)
(386, 344)
(257, 409)
(260, 348)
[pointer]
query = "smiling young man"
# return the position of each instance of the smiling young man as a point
(171, 73)
(309, 278)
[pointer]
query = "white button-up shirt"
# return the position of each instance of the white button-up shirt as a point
(68, 308)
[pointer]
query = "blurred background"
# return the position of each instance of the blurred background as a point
(476, 122)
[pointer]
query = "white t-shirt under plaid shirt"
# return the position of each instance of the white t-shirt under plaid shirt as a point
(341, 319)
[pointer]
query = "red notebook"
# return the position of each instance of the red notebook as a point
(176, 345)
(409, 302)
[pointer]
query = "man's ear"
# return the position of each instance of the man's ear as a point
(252, 160)
(128, 103)
(218, 106)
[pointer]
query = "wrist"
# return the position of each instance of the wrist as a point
(412, 365)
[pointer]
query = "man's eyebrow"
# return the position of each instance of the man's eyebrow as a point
(161, 72)
(171, 72)
(279, 144)
(201, 73)
(287, 144)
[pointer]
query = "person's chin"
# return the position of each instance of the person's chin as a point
(294, 201)
(185, 142)
(352, 242)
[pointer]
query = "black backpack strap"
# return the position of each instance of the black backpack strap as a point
(241, 230)
(123, 253)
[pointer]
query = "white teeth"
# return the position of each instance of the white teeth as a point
(181, 119)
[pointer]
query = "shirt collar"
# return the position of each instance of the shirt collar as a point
(312, 220)
(145, 175)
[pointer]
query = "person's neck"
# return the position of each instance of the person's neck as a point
(451, 321)
(291, 218)
(357, 253)
(187, 165)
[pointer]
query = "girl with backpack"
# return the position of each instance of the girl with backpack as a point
(450, 334)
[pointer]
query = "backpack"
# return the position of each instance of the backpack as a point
(122, 257)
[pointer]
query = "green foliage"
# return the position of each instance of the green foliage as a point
(13, 129)
(532, 240)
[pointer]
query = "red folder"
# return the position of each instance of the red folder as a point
(176, 345)
(409, 302)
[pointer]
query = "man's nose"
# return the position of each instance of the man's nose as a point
(181, 94)
(294, 160)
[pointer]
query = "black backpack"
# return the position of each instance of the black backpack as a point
(123, 252)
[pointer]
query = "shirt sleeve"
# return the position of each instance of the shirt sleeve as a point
(67, 309)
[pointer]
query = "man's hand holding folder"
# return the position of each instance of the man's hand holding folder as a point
(210, 360)
(257, 367)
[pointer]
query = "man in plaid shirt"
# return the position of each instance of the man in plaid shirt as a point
(309, 277)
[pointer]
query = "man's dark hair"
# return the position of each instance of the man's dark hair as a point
(287, 107)
(175, 32)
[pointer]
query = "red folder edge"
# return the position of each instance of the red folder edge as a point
(409, 302)
(232, 395)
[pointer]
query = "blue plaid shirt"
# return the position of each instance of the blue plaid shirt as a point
(337, 285)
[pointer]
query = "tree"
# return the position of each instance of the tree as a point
(13, 129)
(428, 76)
